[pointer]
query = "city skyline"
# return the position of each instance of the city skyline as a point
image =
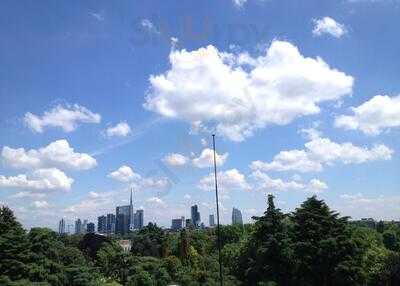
(99, 98)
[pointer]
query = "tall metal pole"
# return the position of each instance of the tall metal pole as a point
(216, 198)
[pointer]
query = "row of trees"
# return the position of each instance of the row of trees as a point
(311, 246)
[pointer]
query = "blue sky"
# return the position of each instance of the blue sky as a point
(103, 96)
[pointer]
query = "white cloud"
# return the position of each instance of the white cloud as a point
(360, 206)
(66, 118)
(122, 129)
(227, 181)
(327, 25)
(219, 90)
(263, 182)
(40, 204)
(124, 174)
(239, 3)
(26, 194)
(156, 201)
(149, 26)
(41, 179)
(56, 154)
(292, 160)
(137, 182)
(175, 159)
(373, 116)
(206, 159)
(322, 151)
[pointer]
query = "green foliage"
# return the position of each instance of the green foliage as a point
(311, 246)
(150, 241)
(267, 253)
(13, 246)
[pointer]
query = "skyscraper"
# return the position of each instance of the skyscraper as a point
(78, 226)
(138, 219)
(90, 227)
(102, 224)
(110, 223)
(122, 219)
(211, 220)
(84, 226)
(195, 215)
(131, 217)
(237, 217)
(61, 226)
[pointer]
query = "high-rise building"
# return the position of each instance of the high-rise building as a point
(237, 216)
(131, 217)
(78, 226)
(61, 226)
(102, 224)
(195, 215)
(124, 221)
(84, 226)
(211, 220)
(177, 223)
(90, 227)
(110, 223)
(138, 219)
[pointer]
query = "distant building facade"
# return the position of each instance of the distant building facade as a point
(178, 223)
(237, 217)
(211, 220)
(138, 219)
(61, 226)
(195, 215)
(102, 224)
(78, 226)
(110, 223)
(90, 228)
(122, 219)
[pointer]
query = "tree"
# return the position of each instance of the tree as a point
(14, 246)
(390, 240)
(267, 255)
(380, 227)
(324, 251)
(150, 241)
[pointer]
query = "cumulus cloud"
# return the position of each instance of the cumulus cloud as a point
(263, 182)
(236, 94)
(40, 204)
(28, 194)
(320, 152)
(175, 159)
(359, 205)
(127, 175)
(57, 154)
(206, 159)
(41, 179)
(156, 201)
(122, 129)
(373, 116)
(124, 174)
(65, 117)
(227, 181)
(329, 26)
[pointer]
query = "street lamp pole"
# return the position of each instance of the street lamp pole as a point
(216, 199)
